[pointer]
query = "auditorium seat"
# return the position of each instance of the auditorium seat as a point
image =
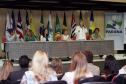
(15, 82)
(109, 78)
(56, 82)
(121, 79)
(92, 79)
(97, 83)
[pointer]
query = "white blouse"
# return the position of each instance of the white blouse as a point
(65, 37)
(42, 38)
(69, 76)
(29, 78)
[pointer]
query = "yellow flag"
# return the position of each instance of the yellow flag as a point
(32, 25)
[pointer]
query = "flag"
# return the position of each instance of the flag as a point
(32, 25)
(41, 29)
(80, 16)
(8, 25)
(27, 22)
(50, 29)
(92, 25)
(58, 28)
(19, 29)
(64, 21)
(13, 26)
(8, 28)
(73, 28)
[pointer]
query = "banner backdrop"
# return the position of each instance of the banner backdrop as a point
(114, 29)
(124, 28)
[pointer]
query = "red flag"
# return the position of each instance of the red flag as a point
(19, 29)
(73, 28)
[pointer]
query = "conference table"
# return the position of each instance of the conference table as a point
(61, 49)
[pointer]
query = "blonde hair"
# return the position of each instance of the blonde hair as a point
(6, 70)
(40, 64)
(58, 37)
(56, 64)
(79, 65)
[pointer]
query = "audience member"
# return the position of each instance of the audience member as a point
(56, 64)
(122, 70)
(6, 70)
(24, 64)
(39, 71)
(78, 69)
(90, 66)
(110, 67)
(96, 34)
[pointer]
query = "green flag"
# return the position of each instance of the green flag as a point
(58, 28)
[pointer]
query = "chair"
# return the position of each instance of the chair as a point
(91, 79)
(15, 82)
(121, 79)
(56, 82)
(109, 78)
(97, 83)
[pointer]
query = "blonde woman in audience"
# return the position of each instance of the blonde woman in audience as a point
(40, 71)
(6, 70)
(78, 69)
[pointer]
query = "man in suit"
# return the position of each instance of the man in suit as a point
(24, 64)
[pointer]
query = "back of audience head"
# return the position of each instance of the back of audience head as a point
(6, 70)
(89, 56)
(56, 64)
(39, 61)
(40, 66)
(24, 61)
(111, 64)
(79, 63)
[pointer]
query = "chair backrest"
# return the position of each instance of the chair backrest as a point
(56, 82)
(121, 79)
(97, 83)
(109, 78)
(91, 79)
(15, 82)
